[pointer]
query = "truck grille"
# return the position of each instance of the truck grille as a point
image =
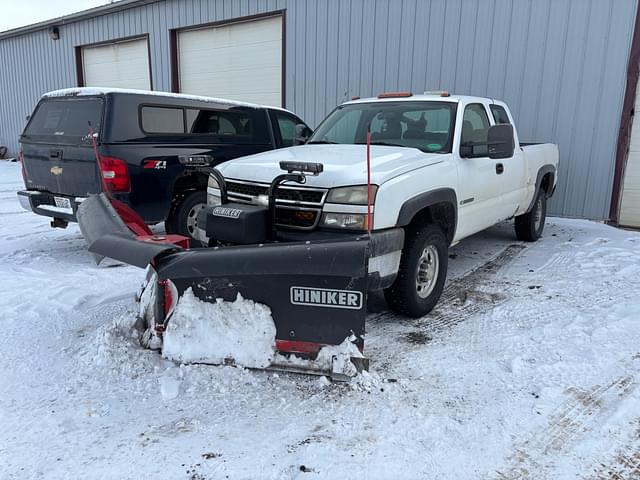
(283, 193)
(297, 208)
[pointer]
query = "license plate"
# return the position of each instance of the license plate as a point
(62, 202)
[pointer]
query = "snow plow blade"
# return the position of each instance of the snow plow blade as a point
(284, 277)
(316, 291)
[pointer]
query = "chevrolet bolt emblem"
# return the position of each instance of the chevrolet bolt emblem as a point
(56, 170)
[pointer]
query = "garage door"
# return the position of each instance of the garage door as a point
(630, 199)
(122, 64)
(242, 61)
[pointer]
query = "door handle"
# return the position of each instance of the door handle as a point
(499, 168)
(55, 153)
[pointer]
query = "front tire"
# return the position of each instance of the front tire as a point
(422, 272)
(183, 219)
(529, 227)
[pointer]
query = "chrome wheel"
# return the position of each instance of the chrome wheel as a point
(427, 274)
(192, 219)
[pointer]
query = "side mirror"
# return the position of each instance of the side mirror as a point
(500, 141)
(466, 150)
(302, 134)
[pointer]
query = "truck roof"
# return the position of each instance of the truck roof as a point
(422, 97)
(90, 91)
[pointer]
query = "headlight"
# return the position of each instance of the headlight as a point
(351, 195)
(213, 192)
(351, 221)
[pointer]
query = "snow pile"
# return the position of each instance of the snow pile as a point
(170, 381)
(240, 332)
(115, 348)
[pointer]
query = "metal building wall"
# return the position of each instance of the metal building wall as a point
(559, 64)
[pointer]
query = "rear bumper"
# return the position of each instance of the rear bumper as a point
(43, 203)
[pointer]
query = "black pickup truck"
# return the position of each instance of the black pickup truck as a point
(151, 150)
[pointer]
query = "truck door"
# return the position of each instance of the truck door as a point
(512, 180)
(479, 178)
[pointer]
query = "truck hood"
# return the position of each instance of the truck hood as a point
(343, 164)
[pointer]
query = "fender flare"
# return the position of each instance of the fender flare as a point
(423, 200)
(544, 170)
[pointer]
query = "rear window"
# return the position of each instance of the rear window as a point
(499, 115)
(65, 120)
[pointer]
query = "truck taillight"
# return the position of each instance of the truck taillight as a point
(115, 174)
(170, 294)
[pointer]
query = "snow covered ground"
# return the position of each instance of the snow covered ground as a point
(529, 368)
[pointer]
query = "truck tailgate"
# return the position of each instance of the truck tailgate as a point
(64, 169)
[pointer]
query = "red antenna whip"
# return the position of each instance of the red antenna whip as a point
(369, 179)
(95, 151)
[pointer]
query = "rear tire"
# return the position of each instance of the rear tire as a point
(422, 272)
(183, 218)
(529, 227)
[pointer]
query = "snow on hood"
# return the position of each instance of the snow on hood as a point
(203, 332)
(343, 164)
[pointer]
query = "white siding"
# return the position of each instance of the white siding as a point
(240, 61)
(630, 198)
(122, 64)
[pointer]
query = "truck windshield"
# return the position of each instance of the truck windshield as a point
(427, 126)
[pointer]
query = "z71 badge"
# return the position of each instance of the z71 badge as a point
(326, 297)
(156, 164)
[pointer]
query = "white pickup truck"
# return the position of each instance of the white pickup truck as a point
(442, 167)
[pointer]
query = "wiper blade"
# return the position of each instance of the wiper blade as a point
(385, 144)
(322, 141)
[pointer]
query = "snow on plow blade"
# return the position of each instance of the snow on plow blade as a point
(315, 291)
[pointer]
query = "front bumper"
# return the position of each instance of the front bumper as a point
(43, 203)
(384, 256)
(384, 259)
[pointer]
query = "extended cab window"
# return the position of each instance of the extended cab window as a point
(499, 115)
(162, 120)
(235, 124)
(426, 125)
(65, 121)
(475, 130)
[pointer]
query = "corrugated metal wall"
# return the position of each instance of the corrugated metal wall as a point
(560, 65)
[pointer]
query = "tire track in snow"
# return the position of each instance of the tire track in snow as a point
(567, 425)
(470, 294)
(626, 463)
(463, 297)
